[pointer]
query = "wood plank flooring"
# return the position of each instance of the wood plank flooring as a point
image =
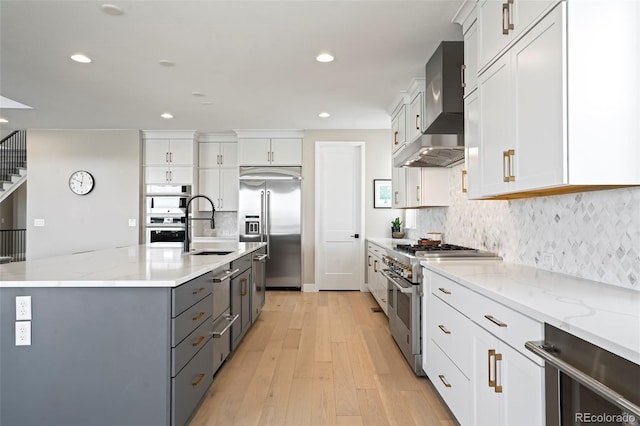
(319, 359)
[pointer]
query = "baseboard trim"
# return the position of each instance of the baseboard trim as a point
(310, 288)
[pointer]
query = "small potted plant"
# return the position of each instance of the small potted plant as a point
(395, 228)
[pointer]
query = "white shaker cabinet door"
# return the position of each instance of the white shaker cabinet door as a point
(286, 152)
(472, 145)
(229, 189)
(228, 154)
(181, 152)
(254, 152)
(209, 182)
(416, 117)
(156, 151)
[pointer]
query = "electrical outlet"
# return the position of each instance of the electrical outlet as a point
(23, 333)
(547, 259)
(23, 308)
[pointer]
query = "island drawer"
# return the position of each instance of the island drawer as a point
(191, 292)
(454, 294)
(190, 385)
(189, 320)
(181, 354)
(243, 263)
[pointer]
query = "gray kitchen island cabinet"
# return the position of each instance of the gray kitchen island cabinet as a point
(135, 350)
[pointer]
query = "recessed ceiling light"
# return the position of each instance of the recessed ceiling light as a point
(3, 120)
(324, 115)
(111, 9)
(324, 57)
(166, 63)
(197, 93)
(166, 115)
(82, 58)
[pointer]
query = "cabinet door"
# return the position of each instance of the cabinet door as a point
(496, 125)
(413, 196)
(434, 186)
(399, 186)
(537, 73)
(493, 32)
(181, 152)
(209, 182)
(472, 145)
(229, 189)
(156, 151)
(416, 117)
(156, 174)
(286, 152)
(254, 152)
(239, 299)
(229, 154)
(398, 129)
(470, 60)
(181, 175)
(508, 385)
(209, 154)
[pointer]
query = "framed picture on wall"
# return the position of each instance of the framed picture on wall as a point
(382, 195)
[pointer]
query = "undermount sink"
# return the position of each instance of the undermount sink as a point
(210, 253)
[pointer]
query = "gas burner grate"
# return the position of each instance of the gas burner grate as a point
(413, 248)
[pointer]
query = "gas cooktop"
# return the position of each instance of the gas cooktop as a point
(441, 250)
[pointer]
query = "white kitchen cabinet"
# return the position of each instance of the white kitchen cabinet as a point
(218, 154)
(471, 172)
(221, 185)
(270, 151)
(426, 187)
(168, 174)
(501, 22)
(376, 282)
(543, 130)
(507, 385)
(416, 117)
(169, 151)
(470, 68)
(398, 128)
(399, 187)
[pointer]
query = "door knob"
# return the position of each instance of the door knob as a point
(355, 236)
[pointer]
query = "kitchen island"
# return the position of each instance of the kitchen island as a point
(117, 337)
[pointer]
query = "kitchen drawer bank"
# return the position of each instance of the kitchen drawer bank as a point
(481, 313)
(105, 352)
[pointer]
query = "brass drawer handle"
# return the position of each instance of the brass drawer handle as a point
(395, 137)
(200, 290)
(491, 353)
(464, 181)
(198, 342)
(444, 329)
(444, 290)
(495, 321)
(444, 381)
(497, 388)
(198, 380)
(197, 317)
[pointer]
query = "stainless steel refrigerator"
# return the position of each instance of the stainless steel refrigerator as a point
(269, 210)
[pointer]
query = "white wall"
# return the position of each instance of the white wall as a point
(593, 235)
(76, 223)
(377, 166)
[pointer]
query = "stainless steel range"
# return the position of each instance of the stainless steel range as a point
(404, 287)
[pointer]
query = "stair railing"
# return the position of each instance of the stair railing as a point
(13, 154)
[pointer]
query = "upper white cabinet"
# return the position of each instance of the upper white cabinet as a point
(470, 67)
(545, 124)
(427, 187)
(501, 22)
(416, 116)
(169, 157)
(218, 172)
(283, 150)
(399, 187)
(399, 128)
(471, 146)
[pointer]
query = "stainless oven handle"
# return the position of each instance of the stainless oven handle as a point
(393, 280)
(225, 276)
(587, 381)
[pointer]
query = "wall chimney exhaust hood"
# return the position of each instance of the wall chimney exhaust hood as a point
(442, 141)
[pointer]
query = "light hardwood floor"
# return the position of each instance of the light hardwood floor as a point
(319, 359)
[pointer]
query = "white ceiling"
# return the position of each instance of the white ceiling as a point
(253, 61)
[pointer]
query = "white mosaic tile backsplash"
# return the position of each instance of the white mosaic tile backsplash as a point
(593, 235)
(226, 225)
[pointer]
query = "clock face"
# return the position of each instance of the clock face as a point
(81, 182)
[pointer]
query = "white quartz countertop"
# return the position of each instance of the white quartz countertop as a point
(390, 243)
(605, 315)
(132, 266)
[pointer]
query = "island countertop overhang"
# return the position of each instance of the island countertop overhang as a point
(139, 266)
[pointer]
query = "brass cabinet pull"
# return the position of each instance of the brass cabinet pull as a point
(200, 290)
(462, 70)
(510, 25)
(375, 265)
(491, 353)
(498, 357)
(505, 22)
(395, 137)
(417, 121)
(444, 329)
(369, 260)
(495, 321)
(444, 290)
(511, 154)
(505, 169)
(197, 342)
(244, 286)
(444, 381)
(197, 317)
(464, 181)
(198, 380)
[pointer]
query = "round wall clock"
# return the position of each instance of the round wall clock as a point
(81, 182)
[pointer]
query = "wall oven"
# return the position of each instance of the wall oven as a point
(165, 208)
(585, 384)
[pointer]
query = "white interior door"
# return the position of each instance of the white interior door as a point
(339, 215)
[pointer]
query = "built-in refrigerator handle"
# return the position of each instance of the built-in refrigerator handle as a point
(262, 214)
(268, 218)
